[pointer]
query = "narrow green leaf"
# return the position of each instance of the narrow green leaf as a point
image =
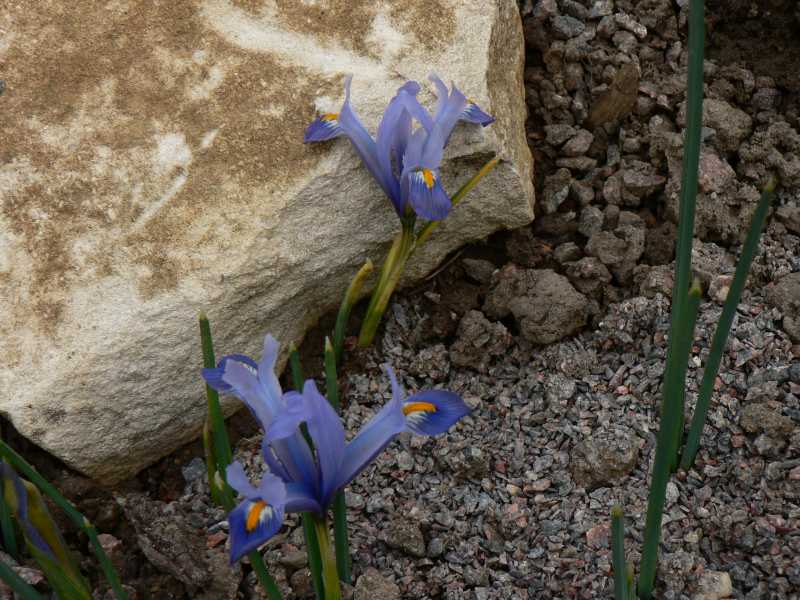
(21, 587)
(391, 271)
(665, 446)
(429, 227)
(64, 583)
(21, 465)
(618, 553)
(264, 578)
(349, 300)
(686, 338)
(724, 326)
(219, 434)
(7, 525)
(211, 464)
(631, 581)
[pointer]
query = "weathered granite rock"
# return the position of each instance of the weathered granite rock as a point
(152, 166)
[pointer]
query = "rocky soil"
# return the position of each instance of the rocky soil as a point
(555, 335)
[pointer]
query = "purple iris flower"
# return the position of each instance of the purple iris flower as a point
(404, 158)
(298, 479)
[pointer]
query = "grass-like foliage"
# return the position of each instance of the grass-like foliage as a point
(670, 449)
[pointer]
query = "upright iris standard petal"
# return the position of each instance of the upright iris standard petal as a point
(239, 481)
(364, 144)
(213, 376)
(446, 119)
(426, 194)
(325, 429)
(266, 371)
(324, 127)
(433, 411)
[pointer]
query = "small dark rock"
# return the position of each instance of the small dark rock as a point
(372, 586)
(604, 459)
(544, 304)
(406, 535)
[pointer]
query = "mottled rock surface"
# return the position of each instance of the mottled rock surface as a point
(153, 166)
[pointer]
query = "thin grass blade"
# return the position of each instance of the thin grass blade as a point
(724, 325)
(618, 553)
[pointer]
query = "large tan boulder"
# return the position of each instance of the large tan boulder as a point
(152, 166)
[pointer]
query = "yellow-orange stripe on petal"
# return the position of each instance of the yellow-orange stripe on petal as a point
(427, 175)
(254, 515)
(413, 407)
(329, 117)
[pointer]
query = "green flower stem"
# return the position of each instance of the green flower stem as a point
(18, 584)
(391, 271)
(219, 450)
(339, 506)
(22, 466)
(724, 326)
(665, 446)
(330, 575)
(349, 300)
(310, 533)
(618, 553)
(429, 227)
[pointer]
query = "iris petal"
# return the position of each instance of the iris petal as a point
(266, 373)
(364, 144)
(446, 118)
(475, 114)
(244, 384)
(252, 523)
(323, 128)
(371, 441)
(239, 481)
(433, 411)
(213, 376)
(427, 196)
(325, 428)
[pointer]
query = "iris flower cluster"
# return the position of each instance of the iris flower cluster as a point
(405, 156)
(305, 477)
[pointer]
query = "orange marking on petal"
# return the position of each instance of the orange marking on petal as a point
(254, 515)
(427, 175)
(413, 407)
(329, 117)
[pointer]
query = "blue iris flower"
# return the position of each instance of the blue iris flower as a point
(299, 479)
(406, 154)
